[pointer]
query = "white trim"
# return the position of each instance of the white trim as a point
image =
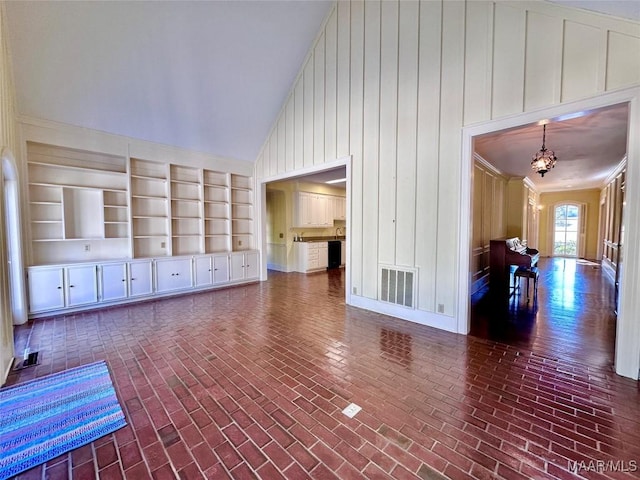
(430, 319)
(621, 166)
(481, 160)
(627, 355)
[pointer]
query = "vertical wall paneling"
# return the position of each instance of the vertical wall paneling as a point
(623, 60)
(281, 165)
(289, 134)
(508, 60)
(343, 81)
(370, 150)
(452, 71)
(407, 133)
(356, 129)
(330, 87)
(266, 155)
(273, 152)
(298, 129)
(580, 69)
(543, 61)
(308, 113)
(478, 61)
(318, 101)
(428, 141)
(388, 132)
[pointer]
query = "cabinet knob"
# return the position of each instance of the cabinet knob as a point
(70, 286)
(177, 274)
(59, 288)
(124, 279)
(132, 279)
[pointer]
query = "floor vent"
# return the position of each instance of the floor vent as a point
(30, 360)
(397, 285)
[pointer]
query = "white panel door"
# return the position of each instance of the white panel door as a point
(113, 281)
(46, 288)
(82, 285)
(140, 278)
(237, 266)
(203, 271)
(323, 255)
(251, 267)
(173, 274)
(220, 268)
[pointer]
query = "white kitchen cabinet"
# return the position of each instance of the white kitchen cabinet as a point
(173, 274)
(244, 265)
(140, 278)
(311, 256)
(52, 288)
(312, 210)
(343, 253)
(113, 282)
(202, 271)
(339, 208)
(46, 288)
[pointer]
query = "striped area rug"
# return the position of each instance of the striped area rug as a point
(46, 417)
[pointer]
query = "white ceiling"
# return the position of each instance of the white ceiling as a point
(588, 147)
(625, 8)
(209, 76)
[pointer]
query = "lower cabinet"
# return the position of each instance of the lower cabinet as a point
(311, 256)
(244, 266)
(173, 274)
(67, 287)
(53, 288)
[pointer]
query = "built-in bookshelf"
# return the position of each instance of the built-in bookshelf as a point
(217, 214)
(73, 195)
(186, 210)
(241, 212)
(149, 208)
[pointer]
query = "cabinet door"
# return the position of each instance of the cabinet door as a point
(341, 208)
(343, 252)
(251, 265)
(46, 288)
(220, 268)
(113, 281)
(203, 271)
(323, 255)
(173, 274)
(140, 278)
(237, 266)
(82, 285)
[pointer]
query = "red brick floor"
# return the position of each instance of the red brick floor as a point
(250, 382)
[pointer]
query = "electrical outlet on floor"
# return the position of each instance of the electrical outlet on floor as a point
(351, 410)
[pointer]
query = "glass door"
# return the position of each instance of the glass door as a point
(566, 228)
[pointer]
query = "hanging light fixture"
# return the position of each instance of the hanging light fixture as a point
(544, 160)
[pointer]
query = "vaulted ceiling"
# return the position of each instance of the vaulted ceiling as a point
(208, 76)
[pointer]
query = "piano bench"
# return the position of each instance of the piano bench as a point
(528, 273)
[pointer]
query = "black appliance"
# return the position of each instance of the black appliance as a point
(335, 253)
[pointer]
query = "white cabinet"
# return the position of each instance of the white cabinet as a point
(312, 210)
(113, 282)
(221, 268)
(343, 253)
(173, 274)
(311, 256)
(339, 208)
(82, 285)
(52, 288)
(244, 265)
(46, 288)
(140, 278)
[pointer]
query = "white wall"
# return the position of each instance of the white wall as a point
(392, 83)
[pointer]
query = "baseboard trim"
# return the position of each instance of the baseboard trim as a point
(430, 319)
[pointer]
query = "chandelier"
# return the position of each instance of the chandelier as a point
(544, 160)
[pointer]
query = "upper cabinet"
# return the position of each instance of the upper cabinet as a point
(315, 210)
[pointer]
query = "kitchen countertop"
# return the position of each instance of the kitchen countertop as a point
(320, 239)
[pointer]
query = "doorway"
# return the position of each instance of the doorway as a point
(627, 338)
(566, 228)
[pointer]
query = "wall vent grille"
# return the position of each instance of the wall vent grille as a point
(398, 285)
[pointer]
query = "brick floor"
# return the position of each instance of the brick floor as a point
(250, 382)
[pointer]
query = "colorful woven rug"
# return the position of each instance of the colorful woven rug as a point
(46, 417)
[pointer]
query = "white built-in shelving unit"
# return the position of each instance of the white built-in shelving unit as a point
(241, 212)
(217, 213)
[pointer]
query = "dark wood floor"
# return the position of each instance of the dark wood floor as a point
(250, 382)
(572, 318)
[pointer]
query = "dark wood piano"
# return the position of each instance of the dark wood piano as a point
(505, 252)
